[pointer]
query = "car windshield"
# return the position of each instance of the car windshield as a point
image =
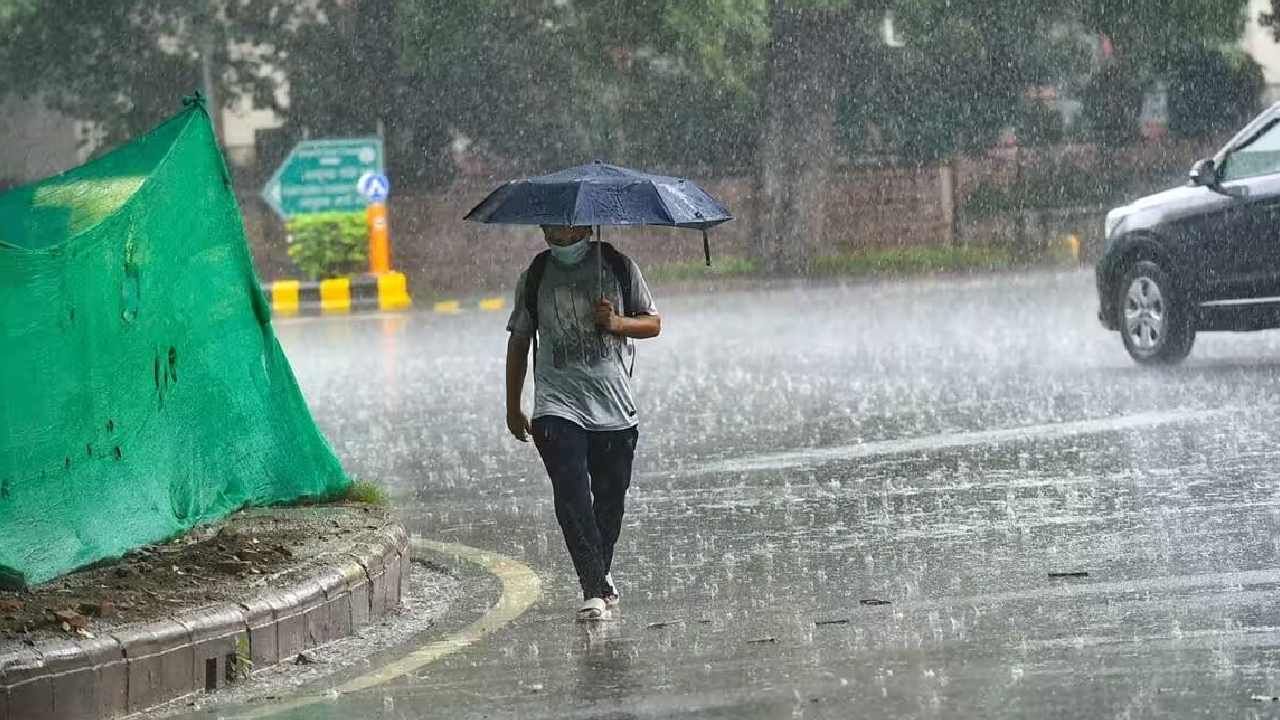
(1260, 156)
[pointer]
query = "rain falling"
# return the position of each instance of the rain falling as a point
(941, 332)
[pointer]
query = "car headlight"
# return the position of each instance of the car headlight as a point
(1113, 221)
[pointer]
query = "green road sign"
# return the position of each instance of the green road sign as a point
(321, 176)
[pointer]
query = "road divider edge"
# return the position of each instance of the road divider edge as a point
(521, 588)
(384, 292)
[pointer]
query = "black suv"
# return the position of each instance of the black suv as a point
(1201, 257)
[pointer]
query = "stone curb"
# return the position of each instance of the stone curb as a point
(137, 667)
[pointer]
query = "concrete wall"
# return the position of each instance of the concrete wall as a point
(442, 255)
(866, 207)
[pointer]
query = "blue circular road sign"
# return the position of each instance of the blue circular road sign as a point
(374, 186)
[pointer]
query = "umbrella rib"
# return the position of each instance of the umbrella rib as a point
(662, 203)
(577, 200)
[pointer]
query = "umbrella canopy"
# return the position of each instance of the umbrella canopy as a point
(600, 194)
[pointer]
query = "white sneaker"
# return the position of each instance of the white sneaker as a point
(593, 609)
(613, 597)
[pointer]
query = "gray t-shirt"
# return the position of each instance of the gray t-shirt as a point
(581, 374)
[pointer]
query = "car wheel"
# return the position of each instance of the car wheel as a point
(1154, 318)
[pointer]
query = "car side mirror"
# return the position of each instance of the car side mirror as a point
(1204, 174)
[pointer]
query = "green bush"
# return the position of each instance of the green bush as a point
(1113, 105)
(914, 260)
(328, 244)
(726, 266)
(1039, 124)
(1211, 91)
(1049, 186)
(363, 491)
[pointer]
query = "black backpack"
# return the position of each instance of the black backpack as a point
(617, 263)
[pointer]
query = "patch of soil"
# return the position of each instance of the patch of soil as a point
(228, 561)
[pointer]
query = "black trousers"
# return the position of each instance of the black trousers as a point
(590, 473)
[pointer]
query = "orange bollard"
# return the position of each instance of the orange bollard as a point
(379, 238)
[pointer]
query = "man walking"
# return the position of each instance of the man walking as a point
(580, 304)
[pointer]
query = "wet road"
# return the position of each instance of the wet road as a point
(940, 445)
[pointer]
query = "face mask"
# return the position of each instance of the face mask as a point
(570, 254)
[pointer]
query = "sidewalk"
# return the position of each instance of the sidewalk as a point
(198, 613)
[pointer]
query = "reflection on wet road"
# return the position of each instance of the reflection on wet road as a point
(941, 445)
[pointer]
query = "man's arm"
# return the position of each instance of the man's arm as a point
(639, 327)
(517, 368)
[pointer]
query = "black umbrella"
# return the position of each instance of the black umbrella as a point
(600, 194)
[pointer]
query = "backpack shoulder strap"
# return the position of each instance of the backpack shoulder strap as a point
(532, 281)
(621, 268)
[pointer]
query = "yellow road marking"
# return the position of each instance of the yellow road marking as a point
(448, 307)
(284, 296)
(520, 590)
(335, 295)
(393, 291)
(493, 303)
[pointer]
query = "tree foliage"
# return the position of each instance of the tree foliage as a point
(553, 83)
(1150, 40)
(1150, 34)
(536, 84)
(1212, 91)
(1271, 19)
(123, 65)
(541, 83)
(960, 76)
(1113, 105)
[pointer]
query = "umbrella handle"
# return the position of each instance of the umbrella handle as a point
(599, 264)
(706, 247)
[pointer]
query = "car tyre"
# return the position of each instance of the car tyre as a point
(1153, 316)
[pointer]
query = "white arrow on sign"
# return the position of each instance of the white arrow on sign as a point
(374, 186)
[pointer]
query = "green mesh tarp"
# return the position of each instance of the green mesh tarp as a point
(142, 390)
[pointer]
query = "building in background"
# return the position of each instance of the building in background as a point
(241, 123)
(1261, 44)
(38, 142)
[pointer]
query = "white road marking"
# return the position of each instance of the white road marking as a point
(1050, 431)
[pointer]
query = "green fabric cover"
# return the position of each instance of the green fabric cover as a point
(142, 389)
